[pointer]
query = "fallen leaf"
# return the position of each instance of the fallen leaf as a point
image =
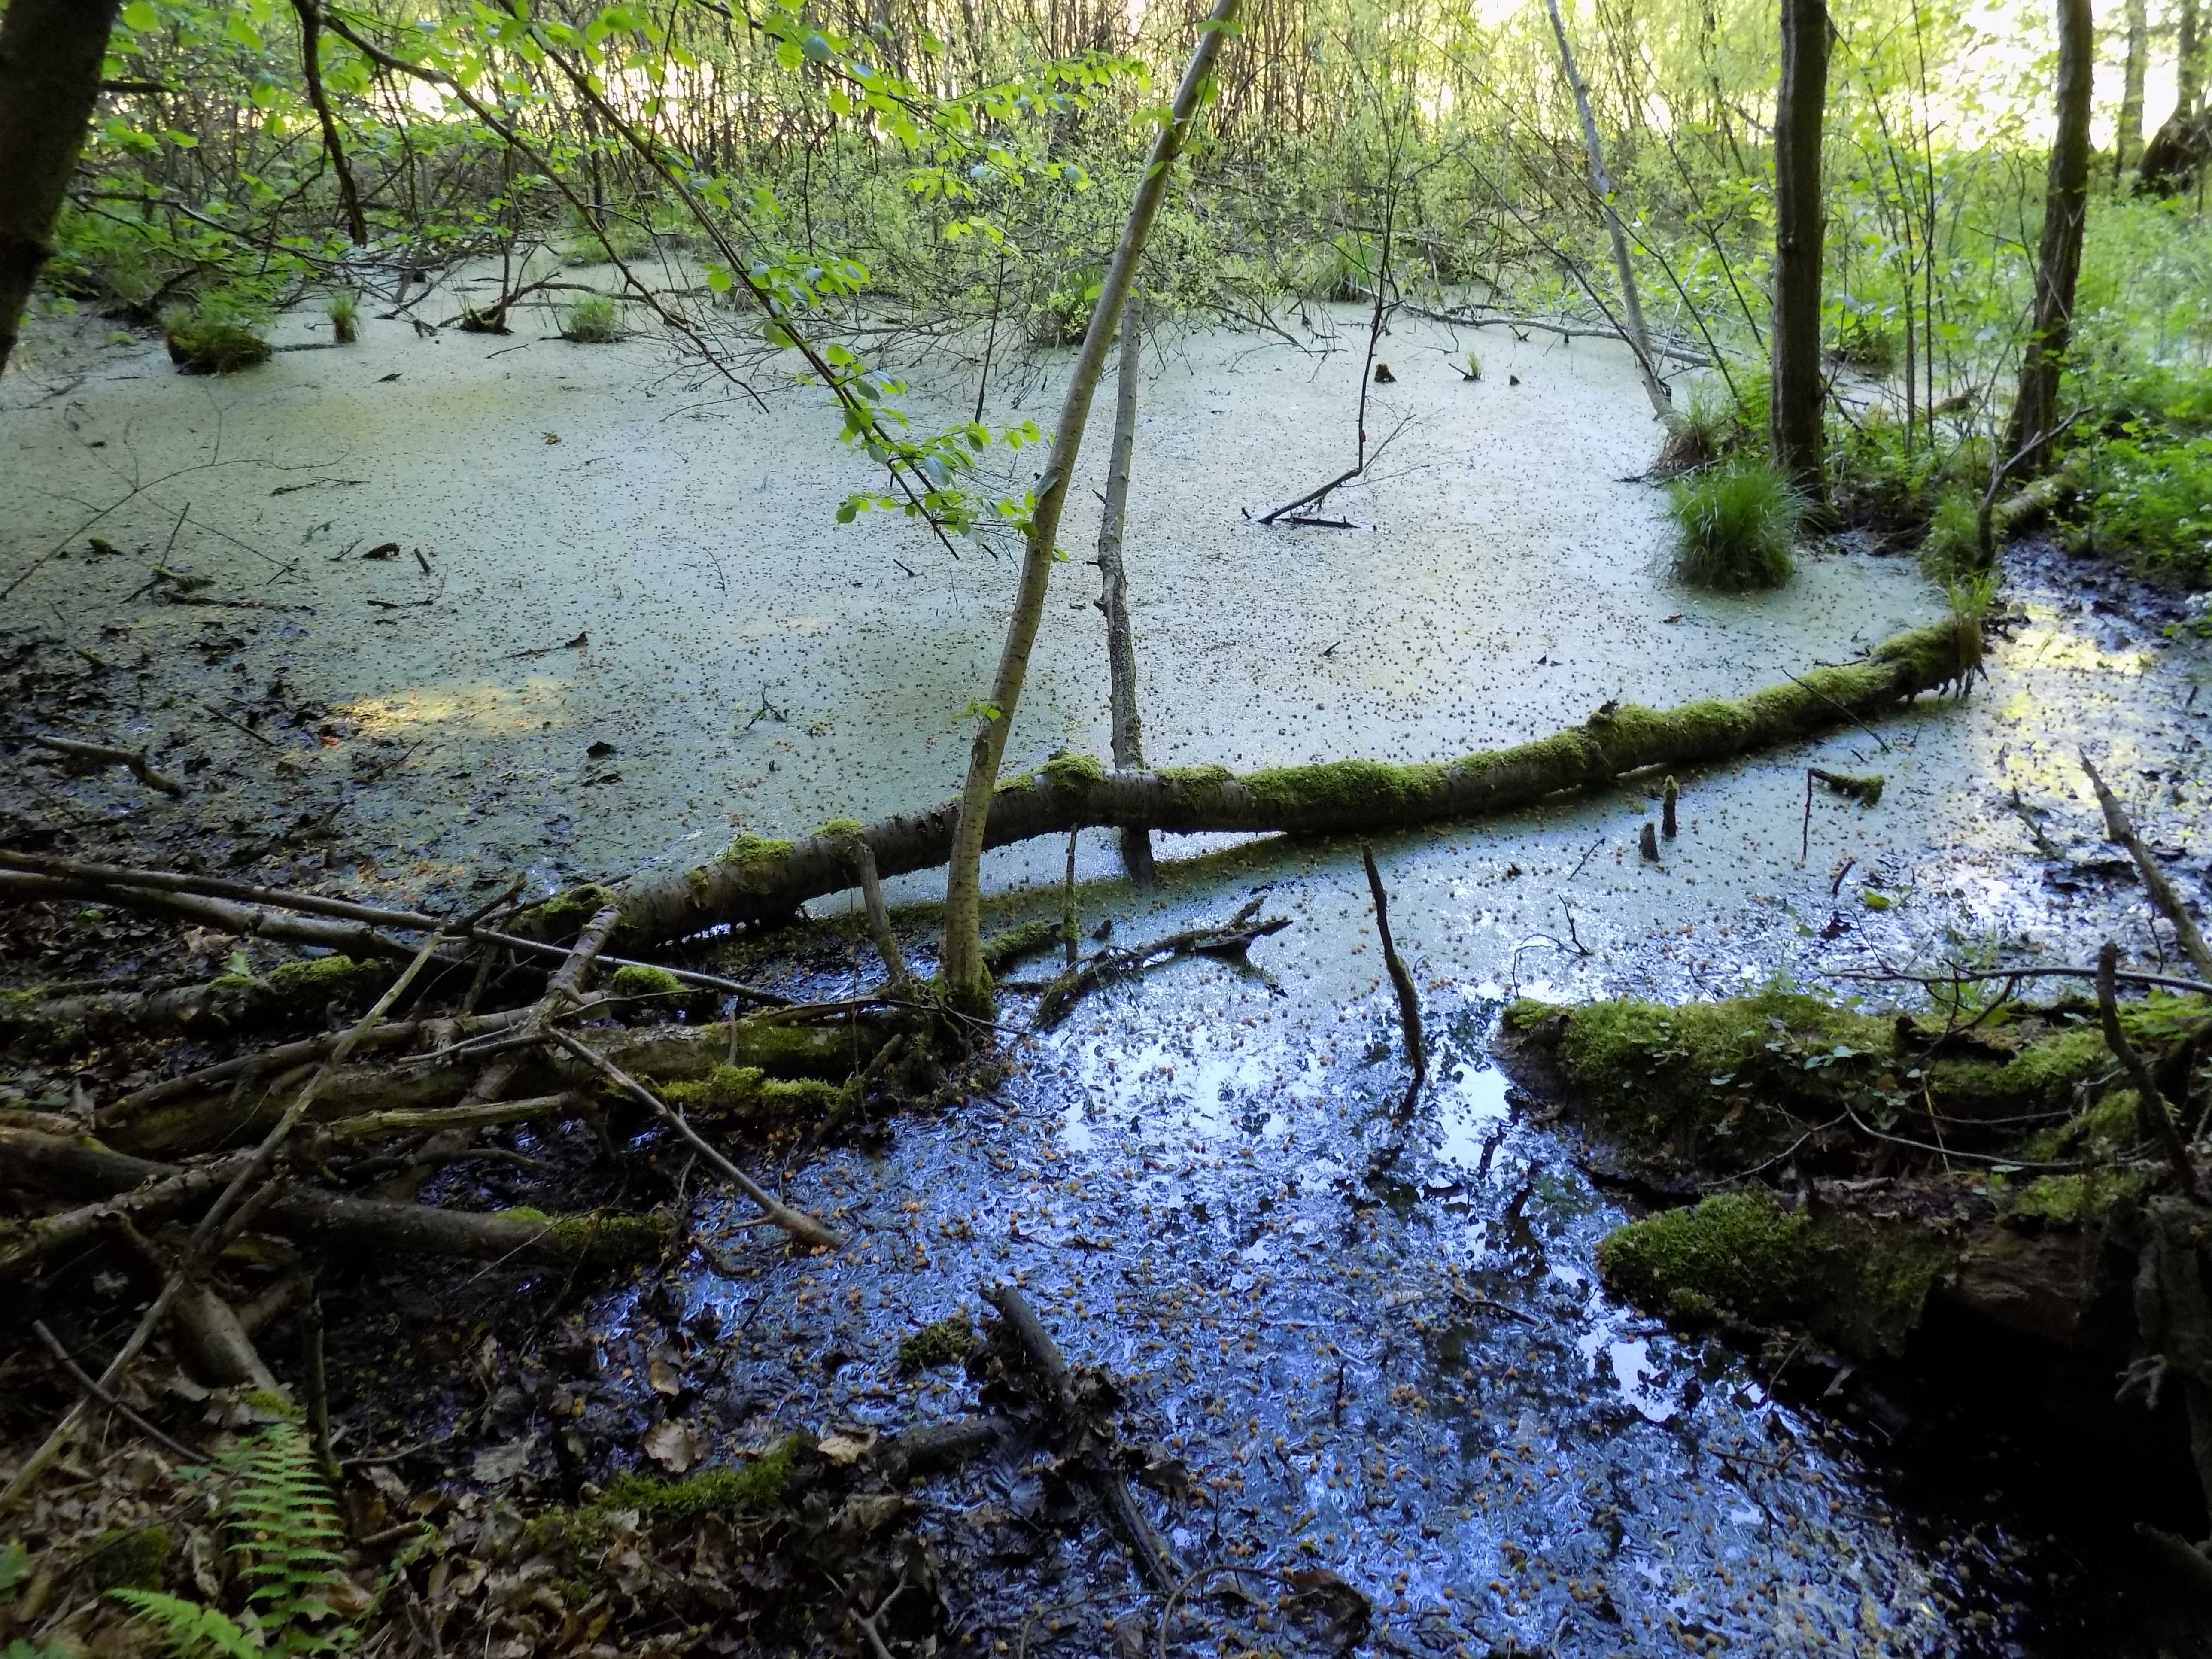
(846, 1447)
(676, 1447)
(664, 1377)
(496, 1465)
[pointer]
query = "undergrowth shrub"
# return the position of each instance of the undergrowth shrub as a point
(590, 321)
(1734, 524)
(284, 1534)
(214, 337)
(1952, 544)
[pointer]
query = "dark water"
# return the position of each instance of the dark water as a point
(1425, 1391)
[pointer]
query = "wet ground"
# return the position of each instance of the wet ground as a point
(1420, 1387)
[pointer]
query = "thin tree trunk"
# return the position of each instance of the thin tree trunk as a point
(2127, 142)
(1799, 230)
(50, 57)
(2188, 62)
(1121, 645)
(1639, 337)
(311, 71)
(966, 979)
(2035, 411)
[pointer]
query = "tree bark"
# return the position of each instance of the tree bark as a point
(1121, 642)
(311, 71)
(2188, 62)
(1325, 798)
(1639, 337)
(1798, 396)
(2035, 410)
(964, 978)
(50, 57)
(2127, 141)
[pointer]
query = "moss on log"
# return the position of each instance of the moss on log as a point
(759, 879)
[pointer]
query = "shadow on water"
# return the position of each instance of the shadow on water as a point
(1422, 1390)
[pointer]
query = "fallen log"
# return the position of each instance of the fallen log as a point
(759, 879)
(249, 921)
(298, 989)
(1233, 939)
(82, 1168)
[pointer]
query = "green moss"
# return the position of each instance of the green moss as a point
(271, 1404)
(2083, 1200)
(842, 829)
(946, 1342)
(639, 981)
(752, 852)
(1002, 950)
(321, 979)
(233, 983)
(1065, 771)
(2102, 1131)
(567, 913)
(128, 1557)
(24, 1018)
(1866, 791)
(752, 1490)
(1373, 787)
(1734, 1252)
(747, 1092)
(600, 1236)
(212, 341)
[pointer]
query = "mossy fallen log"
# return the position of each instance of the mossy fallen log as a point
(759, 879)
(298, 990)
(81, 1167)
(793, 1066)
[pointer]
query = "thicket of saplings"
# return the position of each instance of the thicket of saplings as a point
(955, 183)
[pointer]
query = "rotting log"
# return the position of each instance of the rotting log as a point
(82, 1168)
(759, 880)
(228, 1116)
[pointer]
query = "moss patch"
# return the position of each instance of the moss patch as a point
(639, 981)
(567, 913)
(945, 1342)
(1002, 950)
(2072, 1201)
(128, 1557)
(751, 853)
(1065, 771)
(601, 1236)
(324, 979)
(842, 829)
(1856, 1284)
(746, 1091)
(576, 1537)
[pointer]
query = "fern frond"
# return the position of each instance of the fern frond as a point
(191, 1631)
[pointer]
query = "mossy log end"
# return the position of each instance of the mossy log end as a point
(760, 879)
(81, 1167)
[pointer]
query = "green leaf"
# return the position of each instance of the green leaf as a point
(140, 18)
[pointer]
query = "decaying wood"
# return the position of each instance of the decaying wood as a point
(248, 922)
(799, 1225)
(1402, 982)
(1145, 1546)
(238, 1196)
(2153, 1118)
(1232, 938)
(2161, 890)
(163, 1196)
(878, 913)
(108, 755)
(1331, 797)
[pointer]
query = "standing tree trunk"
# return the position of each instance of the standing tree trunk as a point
(2035, 411)
(2127, 141)
(1800, 218)
(1121, 646)
(311, 72)
(2188, 62)
(966, 981)
(1639, 338)
(50, 56)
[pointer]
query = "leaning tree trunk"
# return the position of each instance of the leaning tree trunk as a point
(1639, 337)
(966, 982)
(1799, 216)
(311, 74)
(1121, 642)
(50, 56)
(2127, 140)
(2035, 411)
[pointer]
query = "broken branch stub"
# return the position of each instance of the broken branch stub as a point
(764, 880)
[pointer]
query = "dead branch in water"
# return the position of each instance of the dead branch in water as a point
(1402, 982)
(1231, 939)
(2161, 890)
(109, 755)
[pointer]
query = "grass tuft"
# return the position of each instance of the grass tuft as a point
(212, 339)
(344, 313)
(1733, 524)
(590, 321)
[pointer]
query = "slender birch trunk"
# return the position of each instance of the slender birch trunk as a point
(2127, 141)
(966, 981)
(1639, 338)
(1120, 643)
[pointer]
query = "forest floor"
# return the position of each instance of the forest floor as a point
(1174, 1173)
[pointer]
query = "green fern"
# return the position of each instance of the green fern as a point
(284, 1530)
(193, 1631)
